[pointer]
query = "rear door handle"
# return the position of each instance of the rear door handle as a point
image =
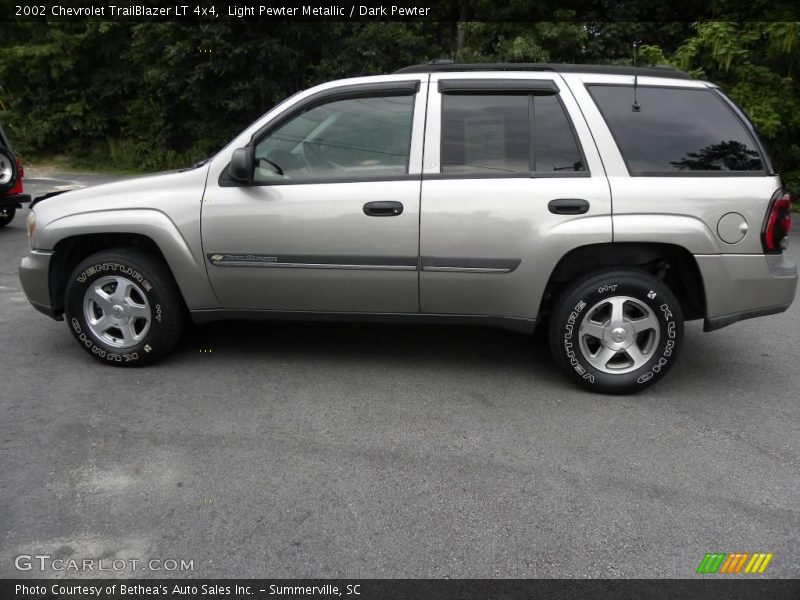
(383, 208)
(568, 206)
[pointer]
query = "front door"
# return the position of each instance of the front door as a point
(331, 220)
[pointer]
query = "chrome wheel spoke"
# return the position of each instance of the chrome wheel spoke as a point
(138, 311)
(102, 299)
(126, 329)
(603, 356)
(645, 324)
(122, 291)
(102, 324)
(592, 329)
(636, 355)
(617, 306)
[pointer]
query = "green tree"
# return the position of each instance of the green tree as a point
(149, 96)
(755, 64)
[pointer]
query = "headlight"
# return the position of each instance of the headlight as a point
(31, 226)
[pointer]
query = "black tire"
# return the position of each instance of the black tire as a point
(588, 303)
(7, 215)
(8, 170)
(153, 290)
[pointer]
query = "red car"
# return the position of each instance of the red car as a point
(11, 173)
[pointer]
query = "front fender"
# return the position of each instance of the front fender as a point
(187, 264)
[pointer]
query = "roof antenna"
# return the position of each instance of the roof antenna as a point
(635, 106)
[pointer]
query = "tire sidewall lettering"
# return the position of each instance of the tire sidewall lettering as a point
(105, 267)
(609, 287)
(569, 345)
(669, 346)
(101, 269)
(110, 356)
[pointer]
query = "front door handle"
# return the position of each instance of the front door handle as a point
(568, 206)
(383, 208)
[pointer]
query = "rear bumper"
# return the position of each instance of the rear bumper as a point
(14, 201)
(743, 286)
(34, 275)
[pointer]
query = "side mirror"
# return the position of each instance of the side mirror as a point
(241, 167)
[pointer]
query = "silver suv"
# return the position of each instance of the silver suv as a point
(609, 203)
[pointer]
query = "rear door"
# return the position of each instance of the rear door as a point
(511, 182)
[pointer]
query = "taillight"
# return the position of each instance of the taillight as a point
(17, 189)
(775, 233)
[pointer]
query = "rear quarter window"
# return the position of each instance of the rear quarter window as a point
(678, 131)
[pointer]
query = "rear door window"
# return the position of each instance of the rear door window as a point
(554, 145)
(488, 134)
(677, 131)
(506, 134)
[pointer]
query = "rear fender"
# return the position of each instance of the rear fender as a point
(688, 232)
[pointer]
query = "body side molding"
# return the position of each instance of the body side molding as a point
(392, 263)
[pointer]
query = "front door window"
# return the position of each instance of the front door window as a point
(363, 138)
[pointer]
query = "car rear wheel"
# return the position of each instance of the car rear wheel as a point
(616, 332)
(124, 308)
(7, 215)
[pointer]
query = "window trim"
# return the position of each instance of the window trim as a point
(531, 173)
(531, 128)
(678, 173)
(345, 92)
(539, 87)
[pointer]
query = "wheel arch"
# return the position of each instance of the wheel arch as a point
(76, 237)
(671, 263)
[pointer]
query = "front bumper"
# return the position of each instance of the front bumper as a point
(34, 275)
(743, 286)
(14, 201)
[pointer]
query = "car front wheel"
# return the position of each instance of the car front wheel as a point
(123, 307)
(617, 332)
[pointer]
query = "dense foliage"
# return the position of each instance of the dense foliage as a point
(149, 96)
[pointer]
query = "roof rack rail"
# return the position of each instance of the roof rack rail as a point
(443, 67)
